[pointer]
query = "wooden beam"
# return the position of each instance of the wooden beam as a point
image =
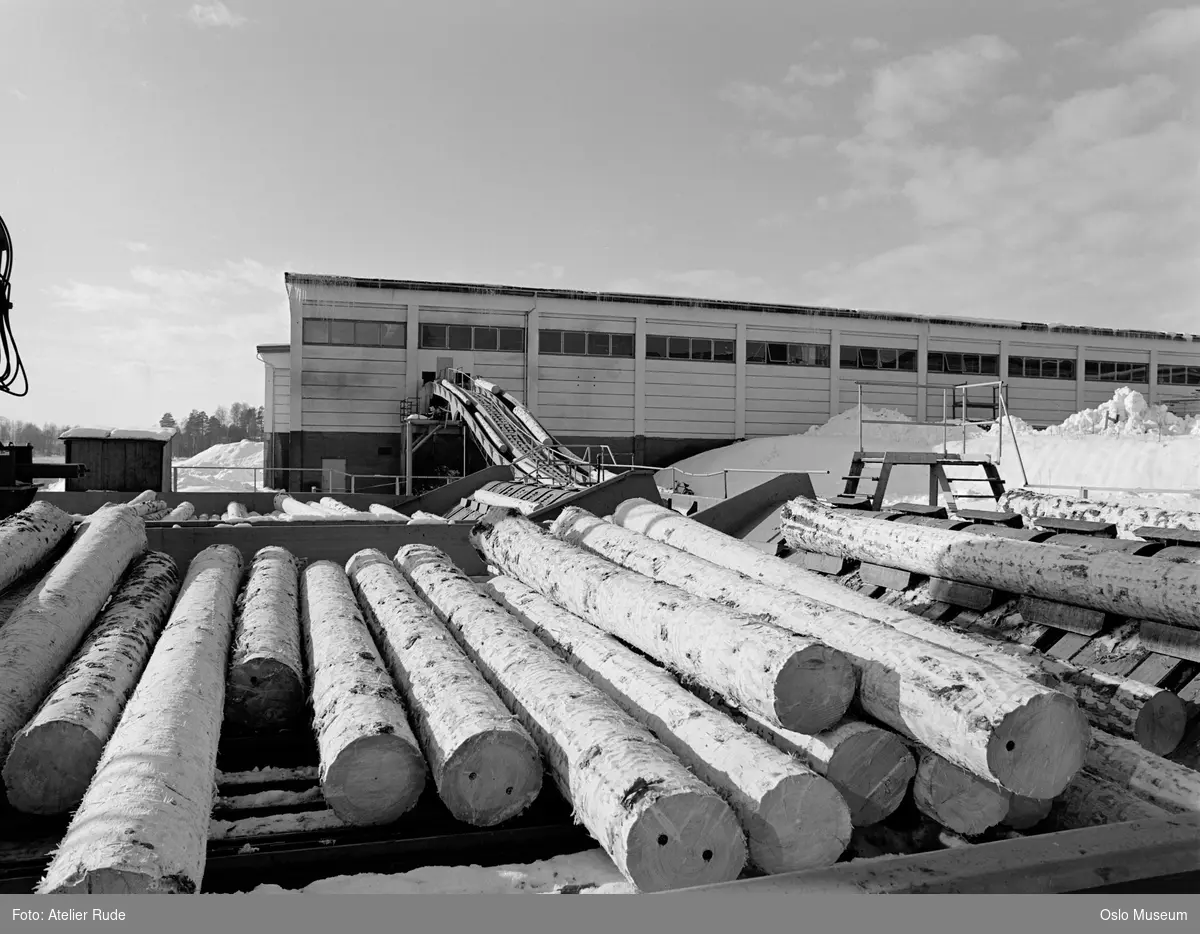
(1062, 616)
(1082, 526)
(890, 578)
(971, 596)
(1170, 640)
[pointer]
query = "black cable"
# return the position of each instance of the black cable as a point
(10, 356)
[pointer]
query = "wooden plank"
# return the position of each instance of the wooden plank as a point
(957, 593)
(1172, 641)
(889, 578)
(1062, 616)
(939, 612)
(932, 522)
(1172, 536)
(1117, 644)
(822, 564)
(1093, 545)
(1156, 669)
(1082, 526)
(920, 509)
(1068, 646)
(1001, 531)
(990, 517)
(1068, 861)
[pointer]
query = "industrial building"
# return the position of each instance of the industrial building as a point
(658, 378)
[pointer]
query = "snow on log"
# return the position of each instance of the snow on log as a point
(1024, 813)
(1113, 582)
(870, 766)
(670, 528)
(54, 756)
(386, 512)
(28, 537)
(955, 798)
(372, 770)
(1027, 738)
(662, 827)
(494, 499)
(1127, 518)
(1091, 800)
(265, 686)
(792, 817)
(1163, 783)
(793, 682)
(235, 510)
(485, 765)
(47, 627)
(143, 823)
(181, 513)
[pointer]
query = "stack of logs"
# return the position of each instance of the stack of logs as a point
(703, 707)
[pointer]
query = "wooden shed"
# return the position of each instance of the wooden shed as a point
(121, 460)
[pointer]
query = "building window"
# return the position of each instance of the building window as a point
(1178, 375)
(585, 343)
(706, 349)
(967, 364)
(877, 358)
(1110, 371)
(785, 354)
(1041, 367)
(469, 337)
(351, 333)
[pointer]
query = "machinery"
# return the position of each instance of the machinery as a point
(17, 469)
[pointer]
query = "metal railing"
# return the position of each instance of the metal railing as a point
(1084, 488)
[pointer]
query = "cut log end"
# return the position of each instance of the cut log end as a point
(374, 780)
(38, 779)
(491, 777)
(802, 823)
(125, 882)
(1161, 723)
(873, 770)
(1038, 748)
(1025, 813)
(814, 689)
(263, 694)
(683, 840)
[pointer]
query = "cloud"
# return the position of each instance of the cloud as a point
(542, 273)
(214, 15)
(135, 246)
(930, 87)
(1164, 35)
(867, 44)
(700, 284)
(813, 77)
(782, 146)
(18, 94)
(777, 221)
(762, 102)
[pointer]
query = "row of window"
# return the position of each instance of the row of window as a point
(354, 333)
(347, 333)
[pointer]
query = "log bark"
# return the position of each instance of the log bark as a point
(372, 769)
(485, 764)
(1126, 585)
(235, 510)
(662, 827)
(181, 513)
(1025, 737)
(386, 512)
(870, 766)
(490, 498)
(143, 823)
(265, 686)
(668, 527)
(290, 506)
(793, 682)
(792, 817)
(1163, 783)
(955, 798)
(1091, 800)
(47, 627)
(54, 757)
(28, 537)
(1126, 518)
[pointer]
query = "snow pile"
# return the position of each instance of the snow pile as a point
(148, 434)
(1127, 413)
(847, 423)
(234, 471)
(590, 871)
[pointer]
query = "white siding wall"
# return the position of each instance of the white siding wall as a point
(941, 392)
(690, 398)
(784, 400)
(357, 389)
(889, 389)
(281, 399)
(589, 396)
(1042, 401)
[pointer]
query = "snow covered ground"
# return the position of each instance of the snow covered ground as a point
(588, 872)
(235, 469)
(1123, 443)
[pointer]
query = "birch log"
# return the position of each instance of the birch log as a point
(1091, 800)
(1113, 582)
(1165, 784)
(1024, 813)
(955, 798)
(1127, 518)
(265, 689)
(792, 817)
(288, 505)
(181, 513)
(48, 626)
(1025, 737)
(28, 537)
(793, 682)
(491, 498)
(143, 823)
(662, 827)
(235, 511)
(55, 755)
(485, 765)
(386, 512)
(372, 769)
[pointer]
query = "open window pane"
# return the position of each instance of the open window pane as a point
(756, 352)
(723, 351)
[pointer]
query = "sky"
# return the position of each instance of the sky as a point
(163, 163)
